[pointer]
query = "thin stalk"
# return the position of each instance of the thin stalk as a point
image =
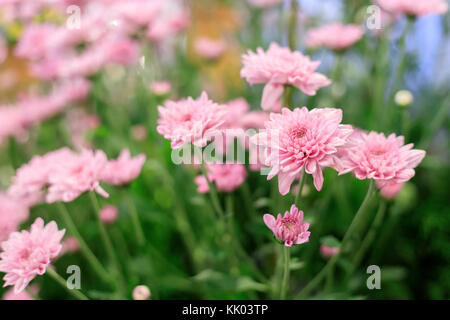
(248, 199)
(213, 193)
(74, 292)
(285, 281)
(349, 233)
(300, 189)
(140, 238)
(84, 248)
(292, 25)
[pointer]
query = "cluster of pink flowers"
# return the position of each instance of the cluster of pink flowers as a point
(27, 254)
(414, 7)
(12, 214)
(290, 228)
(277, 67)
(227, 177)
(190, 121)
(302, 140)
(33, 110)
(334, 36)
(64, 175)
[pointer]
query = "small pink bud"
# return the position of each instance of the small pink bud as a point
(141, 293)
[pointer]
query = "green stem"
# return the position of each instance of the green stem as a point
(74, 292)
(84, 248)
(330, 264)
(248, 200)
(285, 281)
(300, 189)
(292, 25)
(135, 220)
(213, 193)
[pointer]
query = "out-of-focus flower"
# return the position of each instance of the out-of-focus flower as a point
(170, 22)
(264, 3)
(27, 254)
(334, 36)
(289, 228)
(76, 174)
(109, 214)
(227, 177)
(141, 293)
(190, 120)
(3, 49)
(70, 244)
(160, 88)
(302, 139)
(389, 190)
(23, 295)
(277, 67)
(414, 7)
(384, 159)
(12, 213)
(403, 98)
(328, 252)
(139, 132)
(124, 169)
(79, 124)
(209, 48)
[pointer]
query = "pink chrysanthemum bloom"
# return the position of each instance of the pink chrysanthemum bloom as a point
(414, 7)
(124, 169)
(227, 177)
(75, 175)
(109, 214)
(210, 48)
(12, 213)
(190, 120)
(302, 139)
(27, 254)
(374, 156)
(279, 66)
(334, 36)
(290, 229)
(389, 190)
(24, 295)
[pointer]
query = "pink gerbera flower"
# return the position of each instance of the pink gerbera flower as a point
(190, 120)
(227, 177)
(27, 254)
(290, 229)
(123, 170)
(279, 66)
(77, 174)
(374, 156)
(414, 7)
(334, 36)
(302, 139)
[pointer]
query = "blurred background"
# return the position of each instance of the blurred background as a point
(167, 61)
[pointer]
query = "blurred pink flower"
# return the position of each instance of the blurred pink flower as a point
(124, 169)
(109, 214)
(27, 254)
(141, 293)
(328, 252)
(334, 36)
(12, 213)
(254, 119)
(278, 67)
(264, 3)
(160, 88)
(227, 177)
(290, 229)
(76, 174)
(302, 139)
(70, 244)
(139, 132)
(389, 190)
(190, 120)
(209, 48)
(23, 295)
(3, 49)
(414, 7)
(123, 51)
(373, 156)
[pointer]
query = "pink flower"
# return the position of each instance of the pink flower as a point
(75, 175)
(374, 156)
(328, 252)
(414, 7)
(334, 36)
(122, 51)
(209, 48)
(389, 190)
(280, 66)
(190, 120)
(27, 254)
(141, 293)
(227, 177)
(12, 213)
(3, 50)
(160, 88)
(24, 295)
(70, 244)
(109, 214)
(302, 139)
(264, 3)
(290, 229)
(124, 169)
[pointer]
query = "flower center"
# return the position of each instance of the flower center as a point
(288, 223)
(298, 132)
